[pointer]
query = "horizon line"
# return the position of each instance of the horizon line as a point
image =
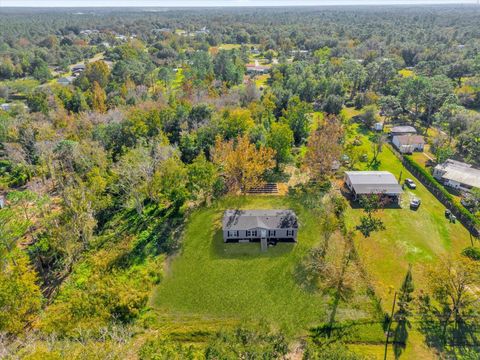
(242, 4)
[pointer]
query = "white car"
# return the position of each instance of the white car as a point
(410, 183)
(415, 203)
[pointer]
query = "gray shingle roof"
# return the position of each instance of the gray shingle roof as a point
(405, 129)
(409, 139)
(374, 182)
(250, 219)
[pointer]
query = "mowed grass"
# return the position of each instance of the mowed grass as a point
(237, 281)
(418, 238)
(411, 237)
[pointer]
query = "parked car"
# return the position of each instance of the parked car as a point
(410, 183)
(415, 203)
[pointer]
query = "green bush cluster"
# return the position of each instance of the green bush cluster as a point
(13, 175)
(472, 252)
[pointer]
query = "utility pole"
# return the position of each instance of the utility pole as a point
(389, 325)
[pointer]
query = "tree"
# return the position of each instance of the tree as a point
(40, 70)
(368, 223)
(369, 116)
(333, 104)
(390, 107)
(378, 140)
(241, 163)
(97, 71)
(405, 297)
(297, 116)
(452, 282)
(236, 122)
(202, 178)
(134, 171)
(356, 74)
(38, 101)
(229, 67)
(454, 118)
(245, 343)
(98, 98)
(468, 144)
(12, 228)
(20, 296)
(280, 139)
(324, 148)
(438, 90)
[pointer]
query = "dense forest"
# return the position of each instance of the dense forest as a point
(118, 126)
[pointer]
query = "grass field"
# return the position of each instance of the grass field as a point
(213, 280)
(212, 285)
(411, 237)
(261, 80)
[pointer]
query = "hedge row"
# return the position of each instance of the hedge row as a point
(434, 182)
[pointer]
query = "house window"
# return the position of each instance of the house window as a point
(272, 233)
(233, 233)
(254, 233)
(289, 232)
(249, 233)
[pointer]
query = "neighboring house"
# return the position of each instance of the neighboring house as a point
(259, 225)
(77, 69)
(402, 130)
(407, 144)
(258, 69)
(66, 80)
(457, 175)
(373, 182)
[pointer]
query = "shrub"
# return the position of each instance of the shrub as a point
(472, 253)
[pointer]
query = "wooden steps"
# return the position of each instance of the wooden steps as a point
(268, 188)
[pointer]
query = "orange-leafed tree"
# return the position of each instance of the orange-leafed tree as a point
(242, 163)
(324, 148)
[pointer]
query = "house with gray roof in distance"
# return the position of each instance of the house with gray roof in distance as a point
(373, 182)
(457, 175)
(259, 225)
(407, 144)
(65, 81)
(402, 130)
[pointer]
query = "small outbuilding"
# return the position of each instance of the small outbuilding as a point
(5, 107)
(407, 144)
(373, 182)
(259, 225)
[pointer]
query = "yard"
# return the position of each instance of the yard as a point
(211, 285)
(216, 281)
(411, 237)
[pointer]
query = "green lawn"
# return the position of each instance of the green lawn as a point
(411, 237)
(211, 279)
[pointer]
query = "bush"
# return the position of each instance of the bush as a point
(472, 253)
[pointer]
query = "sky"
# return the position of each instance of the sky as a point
(200, 3)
